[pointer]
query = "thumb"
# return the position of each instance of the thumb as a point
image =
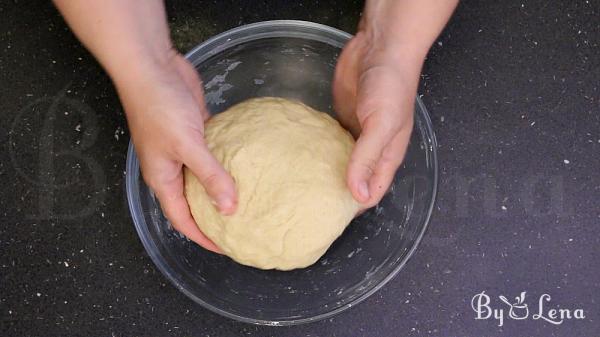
(365, 157)
(219, 185)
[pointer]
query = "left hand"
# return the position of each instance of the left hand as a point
(374, 93)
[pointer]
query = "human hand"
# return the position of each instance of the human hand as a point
(374, 93)
(375, 87)
(166, 114)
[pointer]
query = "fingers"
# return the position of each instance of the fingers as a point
(365, 158)
(386, 128)
(374, 162)
(219, 185)
(175, 208)
(388, 164)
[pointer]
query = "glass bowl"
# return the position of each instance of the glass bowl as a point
(292, 59)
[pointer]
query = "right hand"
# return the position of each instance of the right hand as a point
(166, 113)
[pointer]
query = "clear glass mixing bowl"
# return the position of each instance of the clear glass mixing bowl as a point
(291, 59)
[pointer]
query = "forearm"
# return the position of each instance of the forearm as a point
(126, 36)
(406, 27)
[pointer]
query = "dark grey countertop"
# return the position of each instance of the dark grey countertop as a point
(513, 89)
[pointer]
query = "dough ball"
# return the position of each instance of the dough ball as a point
(289, 164)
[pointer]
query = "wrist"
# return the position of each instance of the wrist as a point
(132, 75)
(405, 55)
(391, 43)
(400, 28)
(402, 57)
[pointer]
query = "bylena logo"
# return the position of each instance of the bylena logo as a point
(519, 309)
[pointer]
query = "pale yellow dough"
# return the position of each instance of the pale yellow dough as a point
(289, 163)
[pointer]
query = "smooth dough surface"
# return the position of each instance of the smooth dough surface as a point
(289, 163)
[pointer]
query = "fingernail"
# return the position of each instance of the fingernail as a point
(224, 203)
(363, 190)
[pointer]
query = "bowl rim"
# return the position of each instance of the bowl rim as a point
(134, 202)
